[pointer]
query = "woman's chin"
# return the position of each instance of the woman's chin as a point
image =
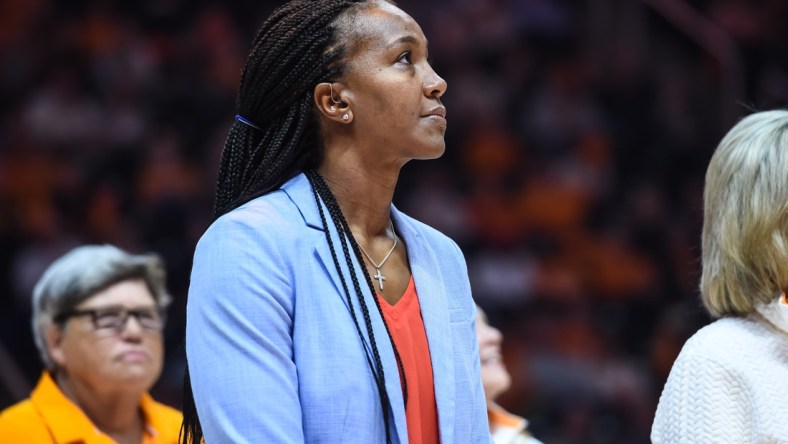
(496, 380)
(433, 152)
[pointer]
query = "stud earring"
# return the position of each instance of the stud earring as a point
(345, 116)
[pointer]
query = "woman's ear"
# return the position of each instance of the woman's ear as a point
(54, 344)
(329, 101)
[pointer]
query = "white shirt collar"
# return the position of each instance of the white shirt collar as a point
(776, 312)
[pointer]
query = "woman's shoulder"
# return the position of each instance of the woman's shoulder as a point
(21, 422)
(728, 341)
(269, 210)
(20, 409)
(271, 224)
(270, 215)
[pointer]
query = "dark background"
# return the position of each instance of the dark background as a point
(579, 133)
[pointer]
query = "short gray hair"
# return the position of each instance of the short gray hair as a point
(745, 226)
(83, 272)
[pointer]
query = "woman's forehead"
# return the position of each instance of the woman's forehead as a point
(383, 24)
(128, 291)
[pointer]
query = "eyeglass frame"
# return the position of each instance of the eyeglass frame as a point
(123, 312)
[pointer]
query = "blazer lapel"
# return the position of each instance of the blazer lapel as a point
(427, 276)
(300, 192)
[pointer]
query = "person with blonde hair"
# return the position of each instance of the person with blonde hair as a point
(730, 381)
(98, 315)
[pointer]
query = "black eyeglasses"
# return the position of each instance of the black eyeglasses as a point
(115, 317)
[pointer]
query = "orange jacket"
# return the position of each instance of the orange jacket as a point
(49, 417)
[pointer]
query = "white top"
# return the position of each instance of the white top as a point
(729, 384)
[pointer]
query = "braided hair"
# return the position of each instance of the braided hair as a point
(277, 136)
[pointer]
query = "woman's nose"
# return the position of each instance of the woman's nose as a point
(490, 335)
(435, 86)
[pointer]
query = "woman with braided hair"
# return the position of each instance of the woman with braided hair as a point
(317, 311)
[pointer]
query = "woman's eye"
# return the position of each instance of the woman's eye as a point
(108, 319)
(405, 57)
(108, 315)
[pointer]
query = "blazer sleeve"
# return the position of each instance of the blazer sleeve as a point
(481, 421)
(239, 342)
(702, 402)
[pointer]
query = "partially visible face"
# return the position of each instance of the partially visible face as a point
(394, 92)
(106, 359)
(495, 378)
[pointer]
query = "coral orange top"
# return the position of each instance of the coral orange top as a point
(49, 417)
(407, 329)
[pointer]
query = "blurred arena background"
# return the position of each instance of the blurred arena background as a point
(579, 133)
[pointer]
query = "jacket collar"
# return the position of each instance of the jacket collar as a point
(776, 312)
(427, 273)
(299, 190)
(504, 425)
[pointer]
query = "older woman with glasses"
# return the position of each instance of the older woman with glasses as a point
(98, 314)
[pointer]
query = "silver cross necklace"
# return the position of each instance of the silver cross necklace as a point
(378, 276)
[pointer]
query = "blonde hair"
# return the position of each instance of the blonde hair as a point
(745, 226)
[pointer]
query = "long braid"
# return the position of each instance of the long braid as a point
(321, 191)
(296, 48)
(360, 259)
(342, 226)
(321, 188)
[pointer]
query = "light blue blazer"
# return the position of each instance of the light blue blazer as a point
(273, 353)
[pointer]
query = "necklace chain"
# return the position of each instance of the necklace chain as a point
(378, 276)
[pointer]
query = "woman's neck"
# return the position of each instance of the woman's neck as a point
(364, 195)
(117, 414)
